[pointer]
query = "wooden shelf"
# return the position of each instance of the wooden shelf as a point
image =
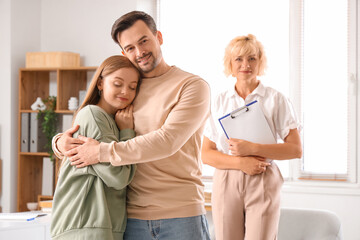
(56, 69)
(56, 111)
(27, 111)
(44, 154)
(33, 83)
(65, 111)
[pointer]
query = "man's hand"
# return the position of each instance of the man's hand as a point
(239, 147)
(253, 165)
(86, 154)
(66, 142)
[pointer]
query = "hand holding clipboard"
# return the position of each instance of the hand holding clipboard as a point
(248, 123)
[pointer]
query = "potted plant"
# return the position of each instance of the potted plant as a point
(49, 119)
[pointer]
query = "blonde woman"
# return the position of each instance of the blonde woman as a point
(246, 188)
(90, 202)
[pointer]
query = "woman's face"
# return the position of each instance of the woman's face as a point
(245, 67)
(118, 89)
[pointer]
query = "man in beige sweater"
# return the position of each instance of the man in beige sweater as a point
(165, 198)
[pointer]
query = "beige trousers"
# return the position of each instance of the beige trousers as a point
(246, 207)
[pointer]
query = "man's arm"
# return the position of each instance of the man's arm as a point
(187, 116)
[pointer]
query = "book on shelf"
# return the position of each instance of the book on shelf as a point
(37, 137)
(47, 177)
(25, 132)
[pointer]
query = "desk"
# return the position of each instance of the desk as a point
(38, 229)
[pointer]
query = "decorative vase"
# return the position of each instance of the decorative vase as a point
(73, 103)
(38, 105)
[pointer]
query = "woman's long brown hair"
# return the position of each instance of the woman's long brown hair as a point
(107, 67)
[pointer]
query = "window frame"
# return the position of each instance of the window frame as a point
(296, 172)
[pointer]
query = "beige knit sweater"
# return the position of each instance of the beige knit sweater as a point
(170, 112)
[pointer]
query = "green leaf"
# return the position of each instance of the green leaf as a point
(49, 122)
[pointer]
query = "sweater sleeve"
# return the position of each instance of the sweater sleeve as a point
(127, 134)
(186, 117)
(95, 124)
(56, 151)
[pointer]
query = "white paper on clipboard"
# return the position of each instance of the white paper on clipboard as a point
(248, 123)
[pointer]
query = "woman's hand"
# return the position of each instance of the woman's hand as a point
(253, 165)
(239, 147)
(124, 118)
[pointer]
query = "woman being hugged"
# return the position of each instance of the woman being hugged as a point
(247, 184)
(90, 202)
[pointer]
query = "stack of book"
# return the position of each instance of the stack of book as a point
(207, 201)
(45, 206)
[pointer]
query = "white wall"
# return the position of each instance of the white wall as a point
(5, 96)
(84, 26)
(20, 32)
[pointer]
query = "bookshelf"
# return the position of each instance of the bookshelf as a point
(38, 82)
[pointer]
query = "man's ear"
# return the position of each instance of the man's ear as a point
(159, 37)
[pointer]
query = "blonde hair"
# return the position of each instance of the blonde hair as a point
(244, 45)
(107, 67)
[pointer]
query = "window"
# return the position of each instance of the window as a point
(310, 45)
(196, 33)
(323, 40)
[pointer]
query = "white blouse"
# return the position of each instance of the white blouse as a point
(277, 109)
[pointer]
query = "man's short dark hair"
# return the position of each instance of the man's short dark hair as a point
(127, 20)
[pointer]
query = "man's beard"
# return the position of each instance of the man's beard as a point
(150, 65)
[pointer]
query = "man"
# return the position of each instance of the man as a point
(165, 199)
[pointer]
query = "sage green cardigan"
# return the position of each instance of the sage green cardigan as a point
(90, 202)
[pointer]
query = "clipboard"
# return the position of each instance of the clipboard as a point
(248, 123)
